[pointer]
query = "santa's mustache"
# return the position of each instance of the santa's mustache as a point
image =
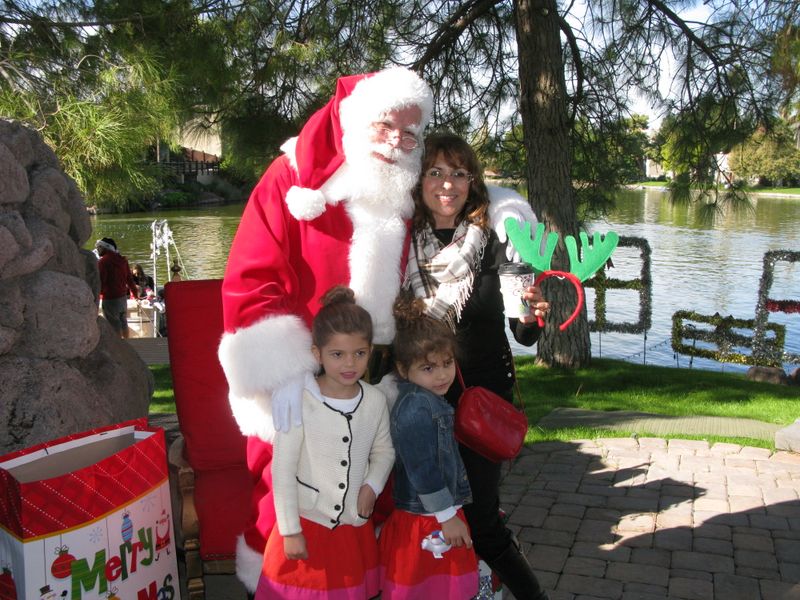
(388, 152)
(408, 160)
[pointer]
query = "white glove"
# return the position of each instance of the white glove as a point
(388, 385)
(287, 404)
(504, 203)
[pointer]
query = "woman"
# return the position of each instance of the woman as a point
(453, 266)
(143, 281)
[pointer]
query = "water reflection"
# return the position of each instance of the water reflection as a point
(203, 238)
(697, 265)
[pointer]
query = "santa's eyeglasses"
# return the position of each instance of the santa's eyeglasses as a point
(384, 133)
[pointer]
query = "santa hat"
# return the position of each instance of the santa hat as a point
(317, 153)
(106, 244)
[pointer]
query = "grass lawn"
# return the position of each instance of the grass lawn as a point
(618, 385)
(755, 190)
(766, 190)
(651, 183)
(163, 398)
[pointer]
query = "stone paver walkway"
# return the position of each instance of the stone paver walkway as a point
(645, 519)
(658, 519)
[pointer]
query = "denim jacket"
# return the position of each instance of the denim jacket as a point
(429, 475)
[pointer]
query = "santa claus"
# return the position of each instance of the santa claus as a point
(334, 209)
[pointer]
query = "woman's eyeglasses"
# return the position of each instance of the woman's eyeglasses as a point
(384, 133)
(456, 176)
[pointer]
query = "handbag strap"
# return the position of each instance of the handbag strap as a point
(516, 383)
(460, 378)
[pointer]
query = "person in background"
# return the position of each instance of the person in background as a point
(116, 285)
(143, 281)
(430, 481)
(453, 267)
(324, 543)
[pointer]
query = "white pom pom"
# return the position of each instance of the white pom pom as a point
(305, 204)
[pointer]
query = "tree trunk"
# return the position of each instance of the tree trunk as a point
(543, 107)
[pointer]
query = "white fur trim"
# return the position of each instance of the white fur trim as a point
(248, 565)
(258, 359)
(504, 203)
(253, 415)
(375, 277)
(390, 89)
(289, 149)
(305, 204)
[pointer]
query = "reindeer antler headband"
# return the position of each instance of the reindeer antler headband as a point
(538, 252)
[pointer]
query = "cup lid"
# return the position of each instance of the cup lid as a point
(514, 268)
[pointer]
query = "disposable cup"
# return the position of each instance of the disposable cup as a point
(514, 279)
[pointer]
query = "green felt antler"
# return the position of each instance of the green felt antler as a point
(530, 249)
(595, 255)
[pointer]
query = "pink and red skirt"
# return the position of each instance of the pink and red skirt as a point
(342, 564)
(411, 573)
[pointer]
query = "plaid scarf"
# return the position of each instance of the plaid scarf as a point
(443, 275)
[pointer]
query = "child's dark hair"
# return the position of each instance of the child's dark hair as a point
(340, 314)
(418, 335)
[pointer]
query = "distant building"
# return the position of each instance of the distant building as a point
(199, 156)
(653, 170)
(723, 174)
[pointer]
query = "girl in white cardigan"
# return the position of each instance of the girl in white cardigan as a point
(328, 472)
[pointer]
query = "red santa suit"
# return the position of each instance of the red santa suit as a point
(301, 234)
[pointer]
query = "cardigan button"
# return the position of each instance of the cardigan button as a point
(333, 520)
(345, 439)
(337, 507)
(343, 463)
(342, 486)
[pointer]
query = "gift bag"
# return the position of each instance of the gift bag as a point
(489, 586)
(88, 517)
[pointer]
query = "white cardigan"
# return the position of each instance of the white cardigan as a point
(319, 468)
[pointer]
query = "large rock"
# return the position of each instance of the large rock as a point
(774, 375)
(62, 368)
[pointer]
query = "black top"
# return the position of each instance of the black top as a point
(484, 354)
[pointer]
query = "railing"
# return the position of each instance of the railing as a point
(184, 167)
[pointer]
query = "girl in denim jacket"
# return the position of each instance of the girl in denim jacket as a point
(425, 545)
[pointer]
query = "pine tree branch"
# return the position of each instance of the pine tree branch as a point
(450, 30)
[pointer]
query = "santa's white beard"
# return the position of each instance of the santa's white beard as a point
(378, 186)
(378, 200)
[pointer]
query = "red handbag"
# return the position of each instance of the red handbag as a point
(489, 424)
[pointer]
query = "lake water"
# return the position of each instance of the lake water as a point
(707, 268)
